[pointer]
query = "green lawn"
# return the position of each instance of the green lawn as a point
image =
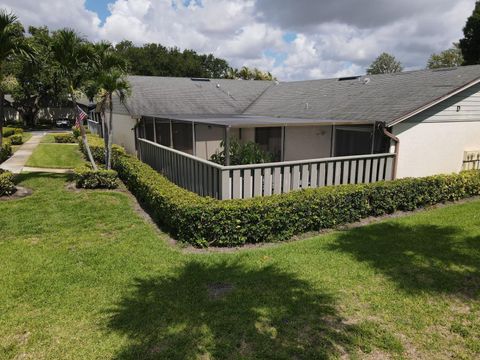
(84, 277)
(62, 156)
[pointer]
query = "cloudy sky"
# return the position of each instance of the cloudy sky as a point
(294, 39)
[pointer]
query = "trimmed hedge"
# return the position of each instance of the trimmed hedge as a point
(5, 151)
(87, 178)
(16, 139)
(97, 148)
(205, 221)
(7, 186)
(64, 138)
(9, 131)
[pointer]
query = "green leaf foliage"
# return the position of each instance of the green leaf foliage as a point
(87, 178)
(65, 138)
(470, 44)
(203, 221)
(5, 151)
(7, 186)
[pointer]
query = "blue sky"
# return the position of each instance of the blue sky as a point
(293, 39)
(100, 7)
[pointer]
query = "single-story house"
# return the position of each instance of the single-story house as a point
(410, 124)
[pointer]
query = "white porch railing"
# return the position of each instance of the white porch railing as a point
(94, 127)
(245, 181)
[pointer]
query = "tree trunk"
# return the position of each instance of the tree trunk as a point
(2, 116)
(105, 134)
(110, 128)
(83, 133)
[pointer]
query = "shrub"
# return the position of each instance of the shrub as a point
(97, 147)
(87, 178)
(76, 131)
(205, 221)
(7, 186)
(16, 139)
(9, 131)
(241, 153)
(64, 138)
(5, 151)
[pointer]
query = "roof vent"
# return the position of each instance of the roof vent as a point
(199, 79)
(218, 86)
(348, 78)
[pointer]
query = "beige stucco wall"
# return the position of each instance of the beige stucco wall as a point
(123, 134)
(307, 142)
(434, 148)
(207, 140)
(433, 141)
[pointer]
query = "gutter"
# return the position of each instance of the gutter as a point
(434, 102)
(397, 147)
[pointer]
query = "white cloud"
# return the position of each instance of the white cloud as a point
(334, 37)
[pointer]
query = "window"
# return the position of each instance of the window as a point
(269, 139)
(162, 131)
(149, 134)
(349, 141)
(182, 137)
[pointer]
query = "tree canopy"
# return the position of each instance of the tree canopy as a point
(384, 64)
(470, 44)
(448, 58)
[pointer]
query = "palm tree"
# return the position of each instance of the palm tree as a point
(11, 43)
(112, 82)
(106, 59)
(74, 58)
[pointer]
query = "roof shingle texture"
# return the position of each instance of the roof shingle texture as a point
(368, 98)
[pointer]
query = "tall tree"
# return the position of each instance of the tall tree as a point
(106, 60)
(74, 59)
(11, 44)
(384, 64)
(470, 44)
(446, 59)
(39, 84)
(113, 82)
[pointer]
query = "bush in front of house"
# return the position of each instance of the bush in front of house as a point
(64, 138)
(16, 139)
(97, 147)
(205, 221)
(7, 186)
(5, 151)
(241, 153)
(87, 178)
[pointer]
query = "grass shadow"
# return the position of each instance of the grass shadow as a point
(228, 311)
(433, 258)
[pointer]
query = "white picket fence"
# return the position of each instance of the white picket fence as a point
(245, 181)
(94, 127)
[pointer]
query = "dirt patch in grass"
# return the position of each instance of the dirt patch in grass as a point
(20, 193)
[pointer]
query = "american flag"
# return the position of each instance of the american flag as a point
(81, 115)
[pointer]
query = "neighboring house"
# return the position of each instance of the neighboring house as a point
(11, 114)
(429, 118)
(46, 114)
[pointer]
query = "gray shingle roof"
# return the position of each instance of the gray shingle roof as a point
(369, 98)
(169, 95)
(381, 98)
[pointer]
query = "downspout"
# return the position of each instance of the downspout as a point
(397, 147)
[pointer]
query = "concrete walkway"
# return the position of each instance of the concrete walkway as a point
(17, 161)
